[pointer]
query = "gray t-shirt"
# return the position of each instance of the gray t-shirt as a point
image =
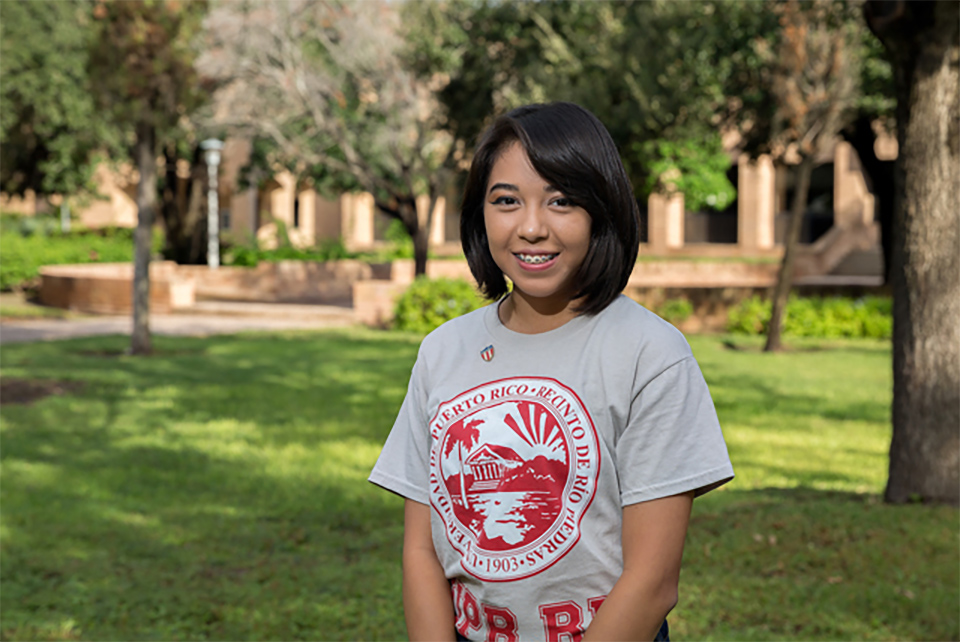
(528, 446)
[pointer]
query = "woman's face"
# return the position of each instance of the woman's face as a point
(537, 236)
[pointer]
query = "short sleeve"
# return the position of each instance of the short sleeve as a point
(403, 465)
(672, 443)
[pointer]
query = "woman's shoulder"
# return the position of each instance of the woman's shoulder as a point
(451, 333)
(632, 327)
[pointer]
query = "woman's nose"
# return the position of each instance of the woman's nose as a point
(533, 226)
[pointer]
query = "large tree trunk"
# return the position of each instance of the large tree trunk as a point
(781, 290)
(923, 40)
(146, 212)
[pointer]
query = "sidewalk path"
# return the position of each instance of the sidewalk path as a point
(224, 318)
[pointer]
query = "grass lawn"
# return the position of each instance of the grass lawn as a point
(217, 491)
(15, 307)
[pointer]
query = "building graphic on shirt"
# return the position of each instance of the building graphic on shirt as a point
(514, 465)
(488, 466)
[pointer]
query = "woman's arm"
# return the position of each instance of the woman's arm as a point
(653, 536)
(427, 601)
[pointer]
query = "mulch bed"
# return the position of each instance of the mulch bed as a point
(26, 391)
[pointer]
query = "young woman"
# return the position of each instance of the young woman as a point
(550, 445)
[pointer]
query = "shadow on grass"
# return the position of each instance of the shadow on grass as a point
(801, 473)
(806, 564)
(795, 345)
(762, 395)
(196, 496)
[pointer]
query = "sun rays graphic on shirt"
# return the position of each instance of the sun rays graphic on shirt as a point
(537, 428)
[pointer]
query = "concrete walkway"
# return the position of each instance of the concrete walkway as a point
(207, 318)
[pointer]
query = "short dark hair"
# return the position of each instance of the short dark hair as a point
(572, 150)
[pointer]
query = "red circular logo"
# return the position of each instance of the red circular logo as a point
(513, 468)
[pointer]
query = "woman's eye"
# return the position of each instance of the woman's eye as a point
(562, 201)
(504, 200)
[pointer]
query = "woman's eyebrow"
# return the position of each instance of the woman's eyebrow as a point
(506, 186)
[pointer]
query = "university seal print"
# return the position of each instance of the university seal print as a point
(513, 469)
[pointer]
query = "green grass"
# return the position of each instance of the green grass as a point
(25, 311)
(15, 307)
(217, 491)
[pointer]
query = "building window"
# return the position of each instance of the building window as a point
(296, 211)
(225, 219)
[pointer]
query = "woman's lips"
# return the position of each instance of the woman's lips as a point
(536, 262)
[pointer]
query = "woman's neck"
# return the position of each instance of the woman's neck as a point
(528, 315)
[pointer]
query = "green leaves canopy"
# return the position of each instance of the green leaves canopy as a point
(649, 70)
(663, 76)
(50, 127)
(142, 60)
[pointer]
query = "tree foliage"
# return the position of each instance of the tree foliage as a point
(324, 82)
(697, 169)
(664, 77)
(50, 127)
(142, 61)
(814, 75)
(651, 71)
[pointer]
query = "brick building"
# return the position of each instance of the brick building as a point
(840, 232)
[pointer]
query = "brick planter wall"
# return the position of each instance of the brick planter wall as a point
(107, 288)
(282, 282)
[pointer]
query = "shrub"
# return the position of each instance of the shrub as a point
(27, 243)
(827, 318)
(428, 303)
(750, 316)
(247, 256)
(241, 256)
(675, 311)
(401, 245)
(38, 225)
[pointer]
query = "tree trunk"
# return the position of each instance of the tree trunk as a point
(173, 223)
(421, 239)
(184, 241)
(922, 39)
(407, 212)
(197, 238)
(420, 249)
(781, 290)
(146, 211)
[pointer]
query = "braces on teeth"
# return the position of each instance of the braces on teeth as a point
(536, 259)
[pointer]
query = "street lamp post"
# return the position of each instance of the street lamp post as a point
(211, 150)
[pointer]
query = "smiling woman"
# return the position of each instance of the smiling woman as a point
(538, 238)
(550, 444)
(569, 152)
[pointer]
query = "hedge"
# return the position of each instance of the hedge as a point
(428, 303)
(822, 317)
